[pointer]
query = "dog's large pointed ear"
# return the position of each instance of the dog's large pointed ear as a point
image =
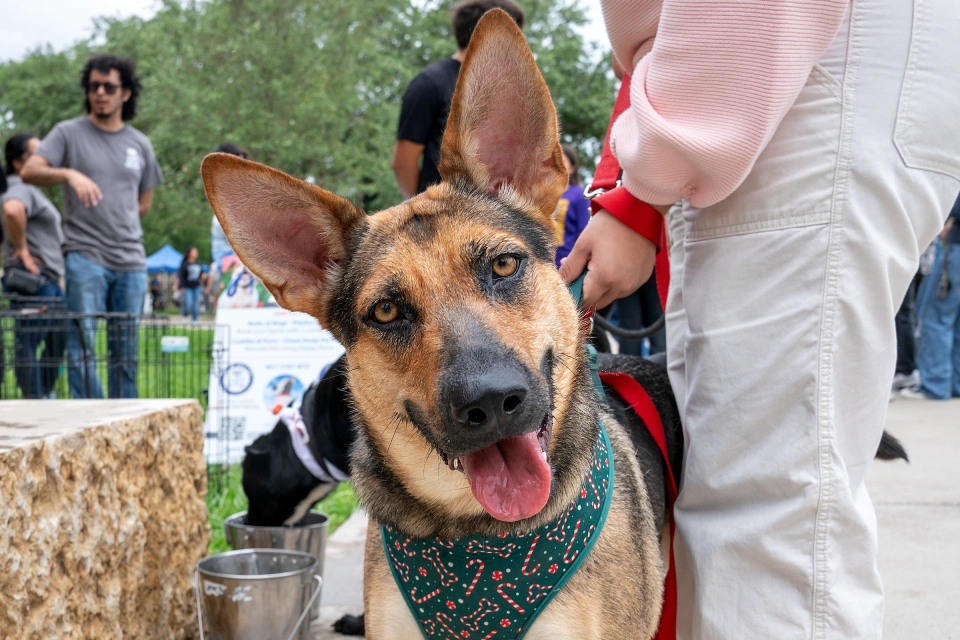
(502, 133)
(291, 234)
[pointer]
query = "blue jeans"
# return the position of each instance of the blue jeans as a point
(92, 289)
(907, 328)
(40, 342)
(938, 350)
(191, 302)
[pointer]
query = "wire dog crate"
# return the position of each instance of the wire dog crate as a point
(49, 352)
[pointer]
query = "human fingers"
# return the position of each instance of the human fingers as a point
(573, 265)
(29, 264)
(85, 194)
(603, 284)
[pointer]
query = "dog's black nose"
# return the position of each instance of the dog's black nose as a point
(489, 399)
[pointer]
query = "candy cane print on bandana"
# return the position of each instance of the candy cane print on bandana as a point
(483, 588)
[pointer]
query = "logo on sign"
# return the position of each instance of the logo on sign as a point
(236, 379)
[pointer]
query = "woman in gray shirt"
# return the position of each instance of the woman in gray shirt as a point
(31, 246)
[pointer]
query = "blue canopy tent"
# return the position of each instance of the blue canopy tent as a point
(166, 260)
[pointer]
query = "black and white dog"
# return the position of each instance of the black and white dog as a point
(290, 469)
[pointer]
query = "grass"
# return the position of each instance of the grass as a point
(231, 499)
(159, 374)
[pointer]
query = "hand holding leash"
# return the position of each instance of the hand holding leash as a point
(618, 260)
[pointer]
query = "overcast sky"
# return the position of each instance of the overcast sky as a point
(27, 24)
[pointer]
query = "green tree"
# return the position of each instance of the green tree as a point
(310, 87)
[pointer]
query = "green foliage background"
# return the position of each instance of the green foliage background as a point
(310, 87)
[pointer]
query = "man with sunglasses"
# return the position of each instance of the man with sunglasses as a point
(109, 171)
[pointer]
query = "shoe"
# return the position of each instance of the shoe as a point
(906, 380)
(914, 393)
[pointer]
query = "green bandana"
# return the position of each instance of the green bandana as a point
(476, 587)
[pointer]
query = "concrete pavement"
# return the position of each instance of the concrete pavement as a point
(918, 510)
(343, 576)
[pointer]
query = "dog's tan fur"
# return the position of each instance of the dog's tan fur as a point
(317, 253)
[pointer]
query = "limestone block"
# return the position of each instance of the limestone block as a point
(102, 518)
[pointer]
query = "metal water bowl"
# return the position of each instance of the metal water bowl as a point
(256, 594)
(309, 535)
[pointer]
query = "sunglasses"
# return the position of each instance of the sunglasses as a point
(109, 88)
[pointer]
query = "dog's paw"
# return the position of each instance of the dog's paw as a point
(350, 625)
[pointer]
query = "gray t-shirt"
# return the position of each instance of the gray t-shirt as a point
(123, 165)
(44, 235)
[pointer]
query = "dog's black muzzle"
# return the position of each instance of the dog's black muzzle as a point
(487, 395)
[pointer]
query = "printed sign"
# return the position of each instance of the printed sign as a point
(274, 355)
(240, 289)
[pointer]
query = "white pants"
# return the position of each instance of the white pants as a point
(781, 336)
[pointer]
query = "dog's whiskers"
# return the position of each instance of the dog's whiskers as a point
(562, 359)
(385, 428)
(430, 450)
(409, 438)
(398, 419)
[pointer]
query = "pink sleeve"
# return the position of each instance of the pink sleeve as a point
(707, 98)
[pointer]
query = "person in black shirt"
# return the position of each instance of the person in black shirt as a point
(189, 279)
(423, 113)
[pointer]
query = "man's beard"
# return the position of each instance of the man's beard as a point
(104, 114)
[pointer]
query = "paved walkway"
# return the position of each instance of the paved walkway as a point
(343, 576)
(918, 508)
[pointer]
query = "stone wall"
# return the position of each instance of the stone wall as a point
(102, 518)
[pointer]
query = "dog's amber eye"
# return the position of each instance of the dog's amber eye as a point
(505, 265)
(385, 312)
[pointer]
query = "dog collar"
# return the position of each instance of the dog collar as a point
(300, 438)
(476, 587)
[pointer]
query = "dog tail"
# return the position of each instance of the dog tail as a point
(890, 448)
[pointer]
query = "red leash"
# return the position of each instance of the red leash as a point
(631, 391)
(607, 193)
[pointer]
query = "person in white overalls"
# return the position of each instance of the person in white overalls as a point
(788, 263)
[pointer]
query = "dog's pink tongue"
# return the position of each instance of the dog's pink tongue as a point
(510, 479)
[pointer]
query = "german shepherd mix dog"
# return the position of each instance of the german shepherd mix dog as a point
(475, 408)
(468, 369)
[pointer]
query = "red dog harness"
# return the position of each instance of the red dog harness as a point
(631, 391)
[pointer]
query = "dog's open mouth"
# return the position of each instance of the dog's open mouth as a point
(510, 478)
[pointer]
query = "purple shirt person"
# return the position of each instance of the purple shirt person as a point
(573, 210)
